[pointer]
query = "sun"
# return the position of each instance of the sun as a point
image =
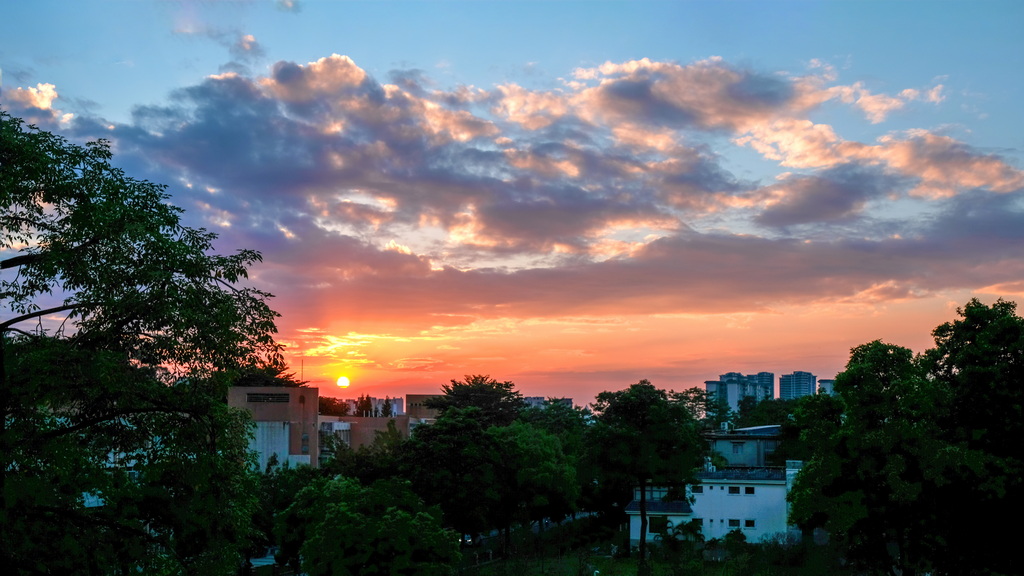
(343, 382)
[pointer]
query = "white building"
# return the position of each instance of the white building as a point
(662, 515)
(752, 500)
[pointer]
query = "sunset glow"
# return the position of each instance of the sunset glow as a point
(570, 196)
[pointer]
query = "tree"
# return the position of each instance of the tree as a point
(386, 409)
(533, 479)
(118, 449)
(383, 528)
(499, 402)
(868, 481)
(377, 461)
(569, 425)
(644, 437)
(364, 406)
(978, 360)
(275, 374)
(766, 412)
(919, 448)
(450, 464)
(333, 406)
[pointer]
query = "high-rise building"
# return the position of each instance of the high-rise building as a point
(733, 386)
(797, 384)
(826, 386)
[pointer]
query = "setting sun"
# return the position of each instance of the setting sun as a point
(343, 382)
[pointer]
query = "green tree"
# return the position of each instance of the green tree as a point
(920, 448)
(118, 449)
(533, 479)
(364, 406)
(386, 409)
(383, 528)
(450, 464)
(380, 460)
(333, 406)
(766, 412)
(978, 360)
(499, 402)
(647, 439)
(568, 424)
(868, 482)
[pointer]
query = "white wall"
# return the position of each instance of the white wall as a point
(272, 438)
(766, 507)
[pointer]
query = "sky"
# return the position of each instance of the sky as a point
(572, 196)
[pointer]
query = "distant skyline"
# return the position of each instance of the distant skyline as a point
(570, 195)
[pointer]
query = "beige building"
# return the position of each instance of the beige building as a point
(286, 423)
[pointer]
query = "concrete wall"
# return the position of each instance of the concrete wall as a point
(717, 505)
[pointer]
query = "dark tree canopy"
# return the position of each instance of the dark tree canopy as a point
(916, 449)
(647, 438)
(116, 440)
(339, 528)
(499, 402)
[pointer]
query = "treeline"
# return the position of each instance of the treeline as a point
(487, 464)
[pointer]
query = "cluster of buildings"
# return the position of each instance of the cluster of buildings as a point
(733, 386)
(746, 495)
(290, 429)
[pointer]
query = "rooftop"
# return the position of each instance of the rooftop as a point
(744, 474)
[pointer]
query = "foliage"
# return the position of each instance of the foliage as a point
(112, 250)
(569, 425)
(645, 438)
(333, 406)
(766, 412)
(267, 375)
(705, 408)
(918, 447)
(276, 490)
(377, 461)
(534, 479)
(364, 406)
(118, 450)
(499, 402)
(345, 528)
(443, 459)
(111, 470)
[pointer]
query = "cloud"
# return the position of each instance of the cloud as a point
(398, 203)
(838, 194)
(35, 105)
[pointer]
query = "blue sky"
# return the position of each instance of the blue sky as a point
(570, 195)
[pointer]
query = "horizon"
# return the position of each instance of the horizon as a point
(569, 196)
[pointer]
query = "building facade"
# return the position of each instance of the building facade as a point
(745, 447)
(797, 384)
(733, 386)
(286, 423)
(751, 500)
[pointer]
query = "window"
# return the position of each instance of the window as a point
(737, 447)
(748, 490)
(266, 397)
(697, 489)
(659, 524)
(734, 489)
(734, 522)
(748, 523)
